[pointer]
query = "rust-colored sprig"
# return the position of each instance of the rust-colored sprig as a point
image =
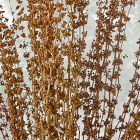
(66, 96)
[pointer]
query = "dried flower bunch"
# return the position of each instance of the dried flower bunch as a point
(68, 97)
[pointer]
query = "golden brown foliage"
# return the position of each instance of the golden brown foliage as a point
(63, 83)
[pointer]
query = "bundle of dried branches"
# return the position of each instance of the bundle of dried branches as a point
(67, 91)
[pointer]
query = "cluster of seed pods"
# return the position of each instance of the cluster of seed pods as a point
(51, 36)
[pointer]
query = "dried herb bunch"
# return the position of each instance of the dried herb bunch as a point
(67, 96)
